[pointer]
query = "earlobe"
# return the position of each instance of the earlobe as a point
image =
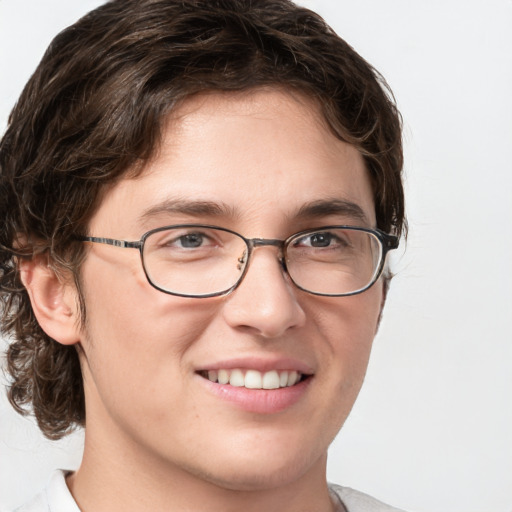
(53, 300)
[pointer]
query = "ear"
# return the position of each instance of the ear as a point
(54, 301)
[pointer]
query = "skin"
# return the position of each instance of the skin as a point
(156, 438)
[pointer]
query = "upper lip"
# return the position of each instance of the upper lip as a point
(261, 364)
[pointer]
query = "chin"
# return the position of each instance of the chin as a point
(264, 469)
(257, 476)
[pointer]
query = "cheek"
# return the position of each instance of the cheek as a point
(137, 338)
(351, 322)
(125, 309)
(349, 325)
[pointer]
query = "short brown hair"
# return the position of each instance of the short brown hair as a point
(92, 111)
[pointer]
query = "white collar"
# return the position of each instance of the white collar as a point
(58, 497)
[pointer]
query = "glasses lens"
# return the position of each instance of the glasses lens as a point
(194, 260)
(334, 261)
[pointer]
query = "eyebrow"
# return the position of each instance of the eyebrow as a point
(313, 209)
(187, 207)
(325, 207)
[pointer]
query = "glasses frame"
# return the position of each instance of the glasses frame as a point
(387, 241)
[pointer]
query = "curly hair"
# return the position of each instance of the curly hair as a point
(92, 113)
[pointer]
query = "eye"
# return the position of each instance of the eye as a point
(184, 239)
(319, 240)
(190, 241)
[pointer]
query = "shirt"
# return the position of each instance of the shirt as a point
(57, 498)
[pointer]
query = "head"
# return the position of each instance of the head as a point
(108, 120)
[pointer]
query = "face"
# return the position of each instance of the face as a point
(257, 160)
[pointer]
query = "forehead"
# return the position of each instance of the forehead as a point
(236, 156)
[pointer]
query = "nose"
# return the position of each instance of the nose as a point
(265, 302)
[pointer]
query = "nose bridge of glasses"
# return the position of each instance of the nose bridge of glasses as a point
(262, 242)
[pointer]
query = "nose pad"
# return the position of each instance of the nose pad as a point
(242, 260)
(265, 302)
(282, 262)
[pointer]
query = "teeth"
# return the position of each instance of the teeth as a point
(271, 380)
(293, 377)
(223, 377)
(253, 379)
(237, 379)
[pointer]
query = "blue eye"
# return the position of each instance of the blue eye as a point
(190, 241)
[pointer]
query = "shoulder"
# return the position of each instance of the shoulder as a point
(54, 498)
(355, 501)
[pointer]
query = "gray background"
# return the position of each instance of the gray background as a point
(432, 429)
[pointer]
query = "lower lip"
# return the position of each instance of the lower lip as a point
(261, 401)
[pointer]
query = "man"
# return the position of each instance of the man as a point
(197, 200)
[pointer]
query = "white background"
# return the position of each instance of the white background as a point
(432, 429)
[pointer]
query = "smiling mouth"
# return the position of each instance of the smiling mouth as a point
(253, 379)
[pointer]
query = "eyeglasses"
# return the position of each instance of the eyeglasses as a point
(196, 260)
